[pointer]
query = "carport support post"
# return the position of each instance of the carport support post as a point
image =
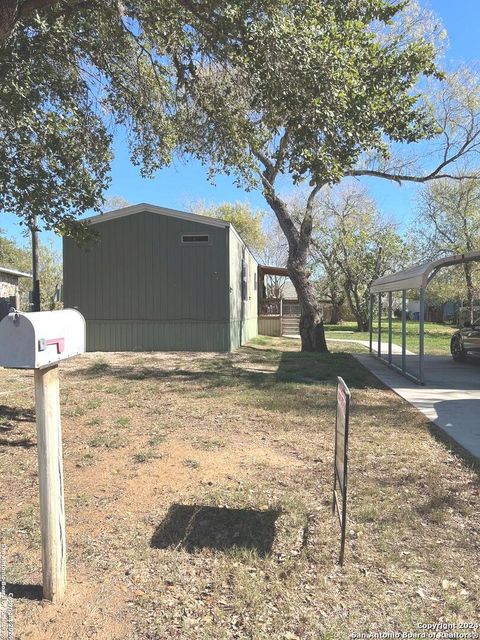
(421, 335)
(50, 477)
(379, 337)
(404, 330)
(389, 327)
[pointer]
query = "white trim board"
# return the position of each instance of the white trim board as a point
(144, 207)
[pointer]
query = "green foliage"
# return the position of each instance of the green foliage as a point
(355, 245)
(226, 81)
(246, 221)
(50, 274)
(448, 222)
(316, 76)
(54, 149)
(72, 72)
(450, 285)
(12, 256)
(115, 202)
(50, 267)
(448, 219)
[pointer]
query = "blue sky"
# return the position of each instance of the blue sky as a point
(183, 183)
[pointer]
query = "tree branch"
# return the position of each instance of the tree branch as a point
(277, 204)
(436, 174)
(34, 5)
(270, 174)
(11, 12)
(282, 148)
(399, 178)
(307, 222)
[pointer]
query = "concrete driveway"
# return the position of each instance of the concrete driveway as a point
(450, 398)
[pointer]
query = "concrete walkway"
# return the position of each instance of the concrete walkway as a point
(450, 399)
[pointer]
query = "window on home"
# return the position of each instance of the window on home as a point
(244, 280)
(192, 238)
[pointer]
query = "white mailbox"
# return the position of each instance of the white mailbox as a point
(40, 339)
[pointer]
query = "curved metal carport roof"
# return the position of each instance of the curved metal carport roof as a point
(419, 276)
(416, 277)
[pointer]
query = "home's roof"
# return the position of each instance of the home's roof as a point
(419, 276)
(152, 208)
(14, 272)
(289, 291)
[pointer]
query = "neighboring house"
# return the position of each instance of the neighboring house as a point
(288, 291)
(9, 289)
(159, 279)
(450, 312)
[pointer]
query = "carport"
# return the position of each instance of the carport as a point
(416, 278)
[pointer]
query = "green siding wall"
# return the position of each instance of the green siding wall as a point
(139, 288)
(242, 331)
(243, 313)
(120, 335)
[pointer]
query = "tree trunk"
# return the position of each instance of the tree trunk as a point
(355, 305)
(35, 267)
(336, 311)
(11, 11)
(8, 17)
(467, 267)
(362, 323)
(312, 331)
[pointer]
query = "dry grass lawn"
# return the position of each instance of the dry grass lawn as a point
(198, 502)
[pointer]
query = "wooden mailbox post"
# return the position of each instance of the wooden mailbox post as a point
(39, 341)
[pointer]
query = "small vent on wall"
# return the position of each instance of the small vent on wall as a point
(192, 238)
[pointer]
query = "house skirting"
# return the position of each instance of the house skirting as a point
(151, 335)
(241, 331)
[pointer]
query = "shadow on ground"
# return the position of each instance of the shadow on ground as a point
(25, 443)
(247, 367)
(14, 414)
(27, 591)
(8, 417)
(314, 368)
(194, 527)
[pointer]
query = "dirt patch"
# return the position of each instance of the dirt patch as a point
(198, 491)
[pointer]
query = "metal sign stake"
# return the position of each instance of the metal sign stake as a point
(340, 464)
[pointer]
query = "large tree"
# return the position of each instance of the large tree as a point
(448, 222)
(71, 72)
(331, 88)
(352, 237)
(17, 256)
(450, 285)
(316, 90)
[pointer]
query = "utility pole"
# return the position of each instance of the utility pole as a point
(35, 265)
